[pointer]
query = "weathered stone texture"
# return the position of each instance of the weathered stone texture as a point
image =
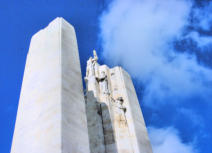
(138, 138)
(51, 116)
(95, 127)
(124, 130)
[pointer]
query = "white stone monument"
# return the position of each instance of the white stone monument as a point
(51, 115)
(54, 117)
(119, 126)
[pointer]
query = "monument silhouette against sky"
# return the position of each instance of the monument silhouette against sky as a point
(56, 116)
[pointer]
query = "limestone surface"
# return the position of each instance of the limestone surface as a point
(123, 127)
(54, 114)
(51, 115)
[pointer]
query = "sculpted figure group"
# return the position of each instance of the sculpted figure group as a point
(92, 66)
(103, 83)
(93, 71)
(101, 77)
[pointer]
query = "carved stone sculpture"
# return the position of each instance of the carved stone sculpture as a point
(120, 111)
(95, 58)
(95, 64)
(103, 83)
(90, 68)
(55, 117)
(119, 103)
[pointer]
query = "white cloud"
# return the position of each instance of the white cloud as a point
(201, 41)
(203, 16)
(168, 141)
(196, 119)
(138, 35)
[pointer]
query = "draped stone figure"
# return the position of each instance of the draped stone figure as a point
(90, 68)
(103, 83)
(95, 57)
(120, 109)
(95, 64)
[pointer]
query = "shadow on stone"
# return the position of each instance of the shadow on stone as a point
(100, 130)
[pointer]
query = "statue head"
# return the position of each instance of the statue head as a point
(95, 57)
(120, 100)
(89, 61)
(102, 74)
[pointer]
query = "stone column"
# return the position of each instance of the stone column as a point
(130, 129)
(51, 115)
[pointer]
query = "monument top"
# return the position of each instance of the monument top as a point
(58, 22)
(54, 114)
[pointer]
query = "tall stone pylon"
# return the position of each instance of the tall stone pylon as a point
(115, 120)
(51, 116)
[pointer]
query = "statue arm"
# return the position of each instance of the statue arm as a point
(87, 71)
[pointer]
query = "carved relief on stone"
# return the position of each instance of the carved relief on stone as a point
(120, 111)
(103, 83)
(95, 64)
(95, 57)
(92, 66)
(119, 103)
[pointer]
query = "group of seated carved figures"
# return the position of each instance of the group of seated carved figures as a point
(93, 71)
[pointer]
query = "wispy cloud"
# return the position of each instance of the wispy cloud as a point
(203, 16)
(168, 141)
(201, 41)
(201, 24)
(140, 35)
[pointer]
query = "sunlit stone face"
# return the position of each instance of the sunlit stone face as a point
(51, 115)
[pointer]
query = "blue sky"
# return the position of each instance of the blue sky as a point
(166, 46)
